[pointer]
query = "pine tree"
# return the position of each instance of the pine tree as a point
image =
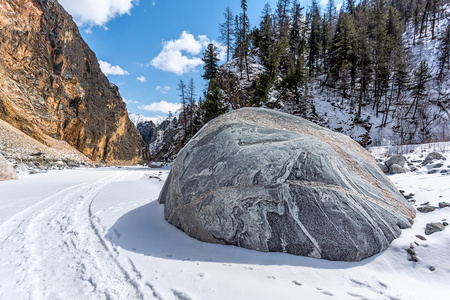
(213, 106)
(210, 57)
(226, 31)
(421, 78)
(267, 78)
(266, 32)
(444, 56)
(297, 39)
(282, 18)
(343, 50)
(245, 29)
(191, 104)
(183, 100)
(314, 43)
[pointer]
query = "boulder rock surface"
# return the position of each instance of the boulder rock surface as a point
(270, 181)
(6, 170)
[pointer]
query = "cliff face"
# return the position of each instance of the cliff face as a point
(52, 86)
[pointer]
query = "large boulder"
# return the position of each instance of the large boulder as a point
(270, 181)
(6, 170)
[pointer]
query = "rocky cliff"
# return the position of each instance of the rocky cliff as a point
(52, 87)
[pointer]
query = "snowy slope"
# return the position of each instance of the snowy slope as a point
(137, 119)
(100, 234)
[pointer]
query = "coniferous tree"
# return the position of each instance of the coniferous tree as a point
(213, 106)
(226, 31)
(444, 56)
(267, 78)
(421, 78)
(343, 51)
(183, 100)
(191, 104)
(210, 58)
(266, 32)
(282, 19)
(314, 42)
(245, 30)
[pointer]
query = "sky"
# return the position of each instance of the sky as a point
(146, 47)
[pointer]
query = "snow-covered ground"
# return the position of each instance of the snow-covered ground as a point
(100, 234)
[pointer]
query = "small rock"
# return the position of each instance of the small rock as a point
(414, 258)
(37, 154)
(426, 203)
(413, 169)
(433, 228)
(435, 155)
(401, 191)
(432, 269)
(383, 167)
(445, 223)
(396, 169)
(426, 209)
(444, 171)
(437, 166)
(421, 237)
(432, 171)
(443, 204)
(408, 197)
(396, 160)
(411, 251)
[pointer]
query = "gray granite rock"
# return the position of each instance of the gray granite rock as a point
(7, 171)
(383, 167)
(269, 181)
(396, 169)
(397, 160)
(433, 228)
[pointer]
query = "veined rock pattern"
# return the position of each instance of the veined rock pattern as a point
(270, 181)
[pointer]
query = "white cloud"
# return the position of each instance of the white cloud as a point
(163, 90)
(338, 7)
(173, 56)
(128, 101)
(161, 106)
(142, 79)
(97, 12)
(109, 69)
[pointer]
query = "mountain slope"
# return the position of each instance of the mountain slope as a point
(52, 86)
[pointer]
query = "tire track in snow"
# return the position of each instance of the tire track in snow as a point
(60, 250)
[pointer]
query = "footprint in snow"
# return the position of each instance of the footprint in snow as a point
(199, 276)
(248, 268)
(271, 277)
(296, 283)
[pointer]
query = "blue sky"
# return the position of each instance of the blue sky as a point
(145, 47)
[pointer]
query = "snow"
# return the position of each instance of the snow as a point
(137, 119)
(101, 234)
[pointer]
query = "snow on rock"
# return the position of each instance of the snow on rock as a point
(269, 181)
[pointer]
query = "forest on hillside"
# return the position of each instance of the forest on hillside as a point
(384, 64)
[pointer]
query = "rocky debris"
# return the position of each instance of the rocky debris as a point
(433, 228)
(6, 170)
(426, 209)
(421, 237)
(432, 171)
(432, 156)
(52, 88)
(396, 169)
(443, 204)
(412, 253)
(432, 269)
(269, 181)
(437, 166)
(396, 160)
